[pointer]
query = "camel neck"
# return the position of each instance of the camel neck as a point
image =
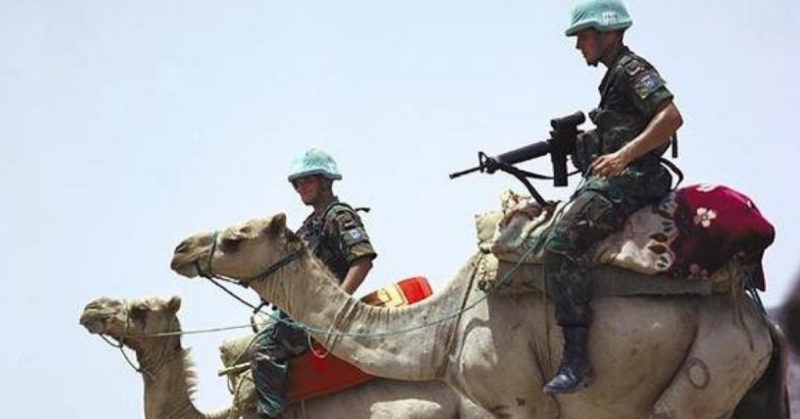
(168, 386)
(309, 294)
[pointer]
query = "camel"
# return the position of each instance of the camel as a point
(787, 316)
(168, 377)
(164, 364)
(654, 357)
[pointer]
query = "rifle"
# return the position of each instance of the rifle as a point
(560, 145)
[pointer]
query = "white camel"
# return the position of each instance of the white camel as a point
(787, 316)
(654, 357)
(169, 380)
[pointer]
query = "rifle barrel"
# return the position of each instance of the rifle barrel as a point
(464, 172)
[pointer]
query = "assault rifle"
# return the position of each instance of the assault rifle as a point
(560, 145)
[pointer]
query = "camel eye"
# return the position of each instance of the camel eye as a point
(230, 245)
(137, 314)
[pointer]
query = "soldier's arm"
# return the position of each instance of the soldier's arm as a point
(658, 132)
(356, 274)
(648, 92)
(356, 248)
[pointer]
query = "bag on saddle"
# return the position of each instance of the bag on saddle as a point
(702, 236)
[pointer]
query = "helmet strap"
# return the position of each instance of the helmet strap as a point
(607, 50)
(325, 185)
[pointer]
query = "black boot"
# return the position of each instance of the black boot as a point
(575, 370)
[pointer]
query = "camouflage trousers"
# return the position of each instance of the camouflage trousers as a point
(599, 208)
(270, 353)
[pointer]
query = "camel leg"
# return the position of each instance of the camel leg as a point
(497, 365)
(725, 360)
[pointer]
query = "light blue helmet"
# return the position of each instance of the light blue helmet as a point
(314, 162)
(602, 15)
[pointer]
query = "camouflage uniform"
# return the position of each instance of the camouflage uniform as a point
(632, 92)
(337, 237)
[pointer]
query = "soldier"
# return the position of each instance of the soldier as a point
(621, 164)
(336, 235)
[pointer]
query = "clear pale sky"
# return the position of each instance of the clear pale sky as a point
(126, 126)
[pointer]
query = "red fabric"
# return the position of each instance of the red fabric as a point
(716, 224)
(415, 289)
(311, 376)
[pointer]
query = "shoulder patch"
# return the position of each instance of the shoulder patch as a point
(646, 83)
(355, 234)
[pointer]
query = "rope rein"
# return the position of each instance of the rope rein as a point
(215, 279)
(292, 257)
(151, 370)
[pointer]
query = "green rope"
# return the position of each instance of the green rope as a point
(751, 289)
(307, 328)
(188, 332)
(534, 245)
(502, 281)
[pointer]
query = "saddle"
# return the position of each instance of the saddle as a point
(697, 240)
(316, 373)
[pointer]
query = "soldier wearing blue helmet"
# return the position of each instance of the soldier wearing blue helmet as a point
(335, 234)
(622, 167)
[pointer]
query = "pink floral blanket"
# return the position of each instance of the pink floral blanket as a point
(691, 234)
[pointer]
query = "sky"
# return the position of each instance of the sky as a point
(127, 126)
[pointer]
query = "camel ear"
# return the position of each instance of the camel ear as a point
(291, 237)
(276, 225)
(174, 304)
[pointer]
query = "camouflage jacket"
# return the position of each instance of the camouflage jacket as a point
(337, 237)
(631, 93)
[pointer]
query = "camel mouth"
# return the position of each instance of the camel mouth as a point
(94, 321)
(184, 266)
(98, 315)
(187, 255)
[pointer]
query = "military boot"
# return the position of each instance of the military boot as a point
(575, 370)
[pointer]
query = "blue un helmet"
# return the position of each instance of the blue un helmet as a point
(601, 15)
(314, 162)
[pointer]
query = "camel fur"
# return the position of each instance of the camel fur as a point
(654, 357)
(169, 380)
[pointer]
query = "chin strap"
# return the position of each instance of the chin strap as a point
(606, 52)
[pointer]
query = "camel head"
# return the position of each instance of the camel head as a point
(132, 322)
(244, 251)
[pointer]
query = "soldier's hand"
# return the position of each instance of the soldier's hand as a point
(610, 165)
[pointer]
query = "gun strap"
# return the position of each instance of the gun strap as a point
(333, 205)
(674, 169)
(674, 145)
(543, 177)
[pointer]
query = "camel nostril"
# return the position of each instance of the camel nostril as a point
(177, 265)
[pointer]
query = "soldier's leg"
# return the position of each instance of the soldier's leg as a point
(270, 374)
(567, 258)
(270, 354)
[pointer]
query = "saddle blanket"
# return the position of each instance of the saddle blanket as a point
(690, 236)
(312, 376)
(317, 373)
